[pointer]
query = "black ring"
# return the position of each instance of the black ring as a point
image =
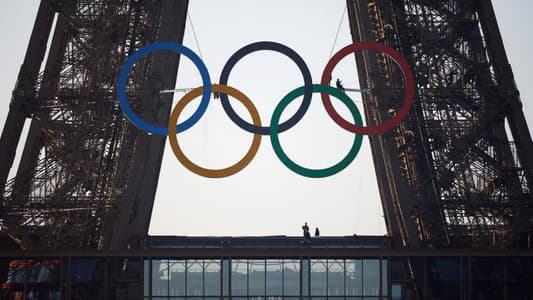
(308, 86)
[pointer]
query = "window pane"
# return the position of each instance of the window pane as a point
(291, 277)
(239, 277)
(124, 283)
(487, 278)
(146, 277)
(305, 277)
(444, 277)
(26, 277)
(225, 277)
(273, 277)
(384, 277)
(177, 277)
(519, 278)
(212, 277)
(160, 277)
(400, 272)
(82, 276)
(318, 277)
(336, 277)
(371, 277)
(396, 291)
(256, 277)
(195, 284)
(354, 281)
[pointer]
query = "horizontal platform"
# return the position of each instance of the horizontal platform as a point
(263, 253)
(280, 241)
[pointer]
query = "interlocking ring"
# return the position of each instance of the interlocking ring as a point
(315, 173)
(409, 88)
(123, 78)
(274, 129)
(308, 82)
(194, 167)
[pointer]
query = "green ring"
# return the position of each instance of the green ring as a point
(315, 173)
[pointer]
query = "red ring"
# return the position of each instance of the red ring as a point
(409, 87)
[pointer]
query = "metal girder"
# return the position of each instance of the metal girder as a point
(87, 177)
(450, 175)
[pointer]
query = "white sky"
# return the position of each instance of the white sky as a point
(266, 197)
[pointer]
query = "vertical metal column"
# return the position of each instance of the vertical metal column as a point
(449, 175)
(87, 177)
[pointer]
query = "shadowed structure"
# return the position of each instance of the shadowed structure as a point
(87, 177)
(456, 173)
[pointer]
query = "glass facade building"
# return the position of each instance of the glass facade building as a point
(366, 278)
(350, 268)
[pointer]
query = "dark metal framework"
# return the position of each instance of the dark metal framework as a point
(455, 173)
(87, 177)
(458, 171)
(451, 273)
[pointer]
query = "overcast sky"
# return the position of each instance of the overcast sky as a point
(265, 198)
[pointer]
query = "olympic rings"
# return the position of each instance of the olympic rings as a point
(315, 173)
(192, 166)
(308, 82)
(409, 87)
(123, 78)
(274, 129)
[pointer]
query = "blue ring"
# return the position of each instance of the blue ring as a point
(266, 45)
(123, 78)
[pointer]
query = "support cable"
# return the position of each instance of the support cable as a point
(338, 31)
(204, 128)
(194, 34)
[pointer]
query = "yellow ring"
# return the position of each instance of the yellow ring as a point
(213, 173)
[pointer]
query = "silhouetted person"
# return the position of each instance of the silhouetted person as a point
(339, 85)
(317, 232)
(307, 235)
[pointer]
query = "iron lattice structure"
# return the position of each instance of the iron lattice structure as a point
(450, 175)
(458, 171)
(87, 177)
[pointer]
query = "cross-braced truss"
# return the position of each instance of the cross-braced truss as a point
(451, 175)
(80, 164)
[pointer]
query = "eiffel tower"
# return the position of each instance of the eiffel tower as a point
(455, 174)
